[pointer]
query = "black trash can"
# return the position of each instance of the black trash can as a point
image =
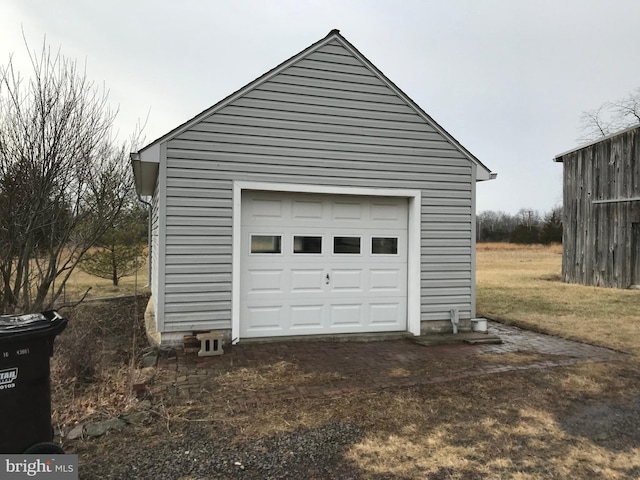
(26, 344)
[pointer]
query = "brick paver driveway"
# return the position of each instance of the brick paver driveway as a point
(299, 369)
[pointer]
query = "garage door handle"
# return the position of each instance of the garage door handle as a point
(327, 282)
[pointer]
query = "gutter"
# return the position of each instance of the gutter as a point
(135, 165)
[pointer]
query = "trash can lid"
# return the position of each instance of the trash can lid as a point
(49, 323)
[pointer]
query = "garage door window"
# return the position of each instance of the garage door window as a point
(384, 245)
(349, 245)
(307, 244)
(266, 244)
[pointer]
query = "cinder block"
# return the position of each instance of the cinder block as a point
(210, 344)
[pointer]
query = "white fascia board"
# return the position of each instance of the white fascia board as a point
(151, 154)
(483, 174)
(413, 256)
(326, 189)
(474, 234)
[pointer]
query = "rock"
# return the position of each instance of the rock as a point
(100, 428)
(150, 359)
(76, 432)
(135, 418)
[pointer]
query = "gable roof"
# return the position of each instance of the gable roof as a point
(559, 158)
(483, 173)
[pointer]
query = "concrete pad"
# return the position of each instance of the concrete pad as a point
(473, 338)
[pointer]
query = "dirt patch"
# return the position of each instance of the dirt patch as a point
(608, 424)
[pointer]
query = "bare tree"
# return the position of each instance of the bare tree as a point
(610, 117)
(528, 217)
(627, 109)
(62, 179)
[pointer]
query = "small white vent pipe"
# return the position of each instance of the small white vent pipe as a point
(455, 319)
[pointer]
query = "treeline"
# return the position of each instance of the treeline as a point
(526, 226)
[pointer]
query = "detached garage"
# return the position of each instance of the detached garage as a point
(319, 199)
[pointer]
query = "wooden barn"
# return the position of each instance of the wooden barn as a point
(318, 199)
(601, 213)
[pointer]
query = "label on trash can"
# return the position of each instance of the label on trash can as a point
(52, 467)
(8, 378)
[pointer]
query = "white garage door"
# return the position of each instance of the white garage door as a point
(322, 264)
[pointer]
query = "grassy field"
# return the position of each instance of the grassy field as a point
(515, 425)
(521, 285)
(80, 282)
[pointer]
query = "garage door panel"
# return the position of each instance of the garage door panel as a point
(346, 315)
(386, 280)
(349, 281)
(263, 319)
(307, 317)
(266, 208)
(307, 209)
(266, 282)
(382, 314)
(391, 214)
(306, 280)
(351, 211)
(302, 281)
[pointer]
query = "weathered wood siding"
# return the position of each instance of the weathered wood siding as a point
(326, 120)
(599, 245)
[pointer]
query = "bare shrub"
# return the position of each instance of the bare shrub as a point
(80, 352)
(95, 357)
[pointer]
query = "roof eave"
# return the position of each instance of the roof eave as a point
(558, 158)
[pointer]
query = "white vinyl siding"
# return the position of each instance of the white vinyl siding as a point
(326, 120)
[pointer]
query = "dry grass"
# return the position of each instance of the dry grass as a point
(95, 358)
(80, 281)
(510, 426)
(274, 376)
(521, 285)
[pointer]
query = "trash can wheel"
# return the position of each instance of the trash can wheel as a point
(45, 447)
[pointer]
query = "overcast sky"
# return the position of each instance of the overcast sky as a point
(507, 78)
